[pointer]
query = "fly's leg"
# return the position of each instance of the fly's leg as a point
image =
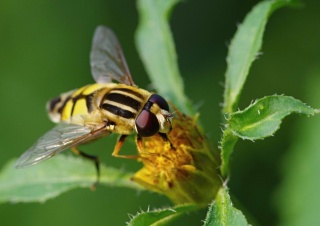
(139, 143)
(118, 146)
(93, 158)
(166, 139)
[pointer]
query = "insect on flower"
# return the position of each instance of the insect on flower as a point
(96, 110)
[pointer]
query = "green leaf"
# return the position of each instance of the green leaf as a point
(51, 178)
(160, 217)
(261, 119)
(157, 51)
(222, 213)
(244, 49)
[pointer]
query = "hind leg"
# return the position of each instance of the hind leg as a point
(93, 158)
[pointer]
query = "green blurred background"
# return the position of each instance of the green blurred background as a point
(44, 51)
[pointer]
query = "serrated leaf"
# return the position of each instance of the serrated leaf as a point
(244, 49)
(222, 213)
(160, 217)
(156, 48)
(263, 118)
(49, 179)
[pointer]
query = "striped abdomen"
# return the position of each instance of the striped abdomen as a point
(72, 103)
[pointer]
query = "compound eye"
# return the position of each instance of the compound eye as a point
(160, 101)
(147, 124)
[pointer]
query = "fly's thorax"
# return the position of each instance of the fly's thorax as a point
(121, 105)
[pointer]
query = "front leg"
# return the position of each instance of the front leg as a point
(166, 139)
(118, 146)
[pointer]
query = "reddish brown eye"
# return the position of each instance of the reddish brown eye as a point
(160, 101)
(147, 124)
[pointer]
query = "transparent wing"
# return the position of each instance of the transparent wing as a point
(60, 138)
(106, 58)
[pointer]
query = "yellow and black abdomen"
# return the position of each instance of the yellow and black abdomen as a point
(75, 102)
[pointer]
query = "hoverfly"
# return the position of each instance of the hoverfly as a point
(96, 110)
